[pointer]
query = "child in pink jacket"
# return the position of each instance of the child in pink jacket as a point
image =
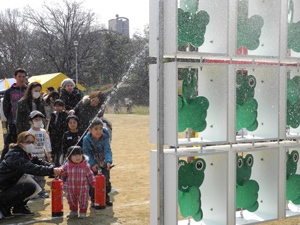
(79, 175)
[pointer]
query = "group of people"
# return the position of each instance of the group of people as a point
(64, 129)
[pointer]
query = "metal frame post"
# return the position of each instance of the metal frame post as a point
(160, 116)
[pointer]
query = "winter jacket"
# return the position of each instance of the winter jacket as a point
(99, 148)
(70, 139)
(70, 99)
(57, 128)
(10, 102)
(85, 112)
(23, 111)
(79, 176)
(48, 109)
(16, 163)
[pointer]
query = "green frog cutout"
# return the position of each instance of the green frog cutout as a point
(246, 189)
(192, 111)
(246, 104)
(248, 29)
(293, 102)
(191, 24)
(292, 179)
(293, 29)
(190, 178)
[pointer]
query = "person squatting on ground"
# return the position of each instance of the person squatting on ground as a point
(31, 101)
(88, 108)
(15, 164)
(96, 146)
(43, 147)
(79, 176)
(57, 128)
(10, 103)
(70, 95)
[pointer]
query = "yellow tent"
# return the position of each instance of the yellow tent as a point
(53, 79)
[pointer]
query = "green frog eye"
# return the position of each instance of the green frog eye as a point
(295, 156)
(189, 78)
(250, 161)
(181, 163)
(198, 165)
(240, 163)
(251, 82)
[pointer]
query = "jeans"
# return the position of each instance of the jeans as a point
(55, 158)
(106, 173)
(14, 196)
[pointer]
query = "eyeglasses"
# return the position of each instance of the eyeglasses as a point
(29, 142)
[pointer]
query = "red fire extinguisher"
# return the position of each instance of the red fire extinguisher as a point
(57, 197)
(100, 191)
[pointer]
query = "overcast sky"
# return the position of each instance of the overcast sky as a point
(137, 11)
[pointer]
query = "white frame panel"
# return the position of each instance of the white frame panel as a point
(294, 71)
(294, 210)
(267, 95)
(270, 32)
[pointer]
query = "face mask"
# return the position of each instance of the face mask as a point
(29, 148)
(36, 95)
(38, 124)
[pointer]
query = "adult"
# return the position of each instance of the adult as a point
(49, 90)
(30, 101)
(49, 103)
(17, 162)
(10, 103)
(88, 108)
(69, 94)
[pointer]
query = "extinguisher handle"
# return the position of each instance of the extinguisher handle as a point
(99, 170)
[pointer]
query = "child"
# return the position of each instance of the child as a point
(72, 136)
(57, 128)
(69, 95)
(43, 146)
(79, 176)
(96, 146)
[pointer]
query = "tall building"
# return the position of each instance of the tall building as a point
(120, 25)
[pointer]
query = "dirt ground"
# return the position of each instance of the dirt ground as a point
(129, 178)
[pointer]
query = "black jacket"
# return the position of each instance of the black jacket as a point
(57, 130)
(85, 112)
(17, 162)
(23, 111)
(70, 139)
(70, 99)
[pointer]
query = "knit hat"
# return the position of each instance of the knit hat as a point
(66, 81)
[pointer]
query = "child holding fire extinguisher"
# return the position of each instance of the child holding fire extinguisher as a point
(79, 175)
(96, 146)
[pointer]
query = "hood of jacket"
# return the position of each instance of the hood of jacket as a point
(85, 100)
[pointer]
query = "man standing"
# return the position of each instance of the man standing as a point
(10, 105)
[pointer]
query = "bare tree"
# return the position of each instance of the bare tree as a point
(14, 36)
(56, 27)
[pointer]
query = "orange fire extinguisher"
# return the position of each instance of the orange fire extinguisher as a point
(100, 191)
(57, 197)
